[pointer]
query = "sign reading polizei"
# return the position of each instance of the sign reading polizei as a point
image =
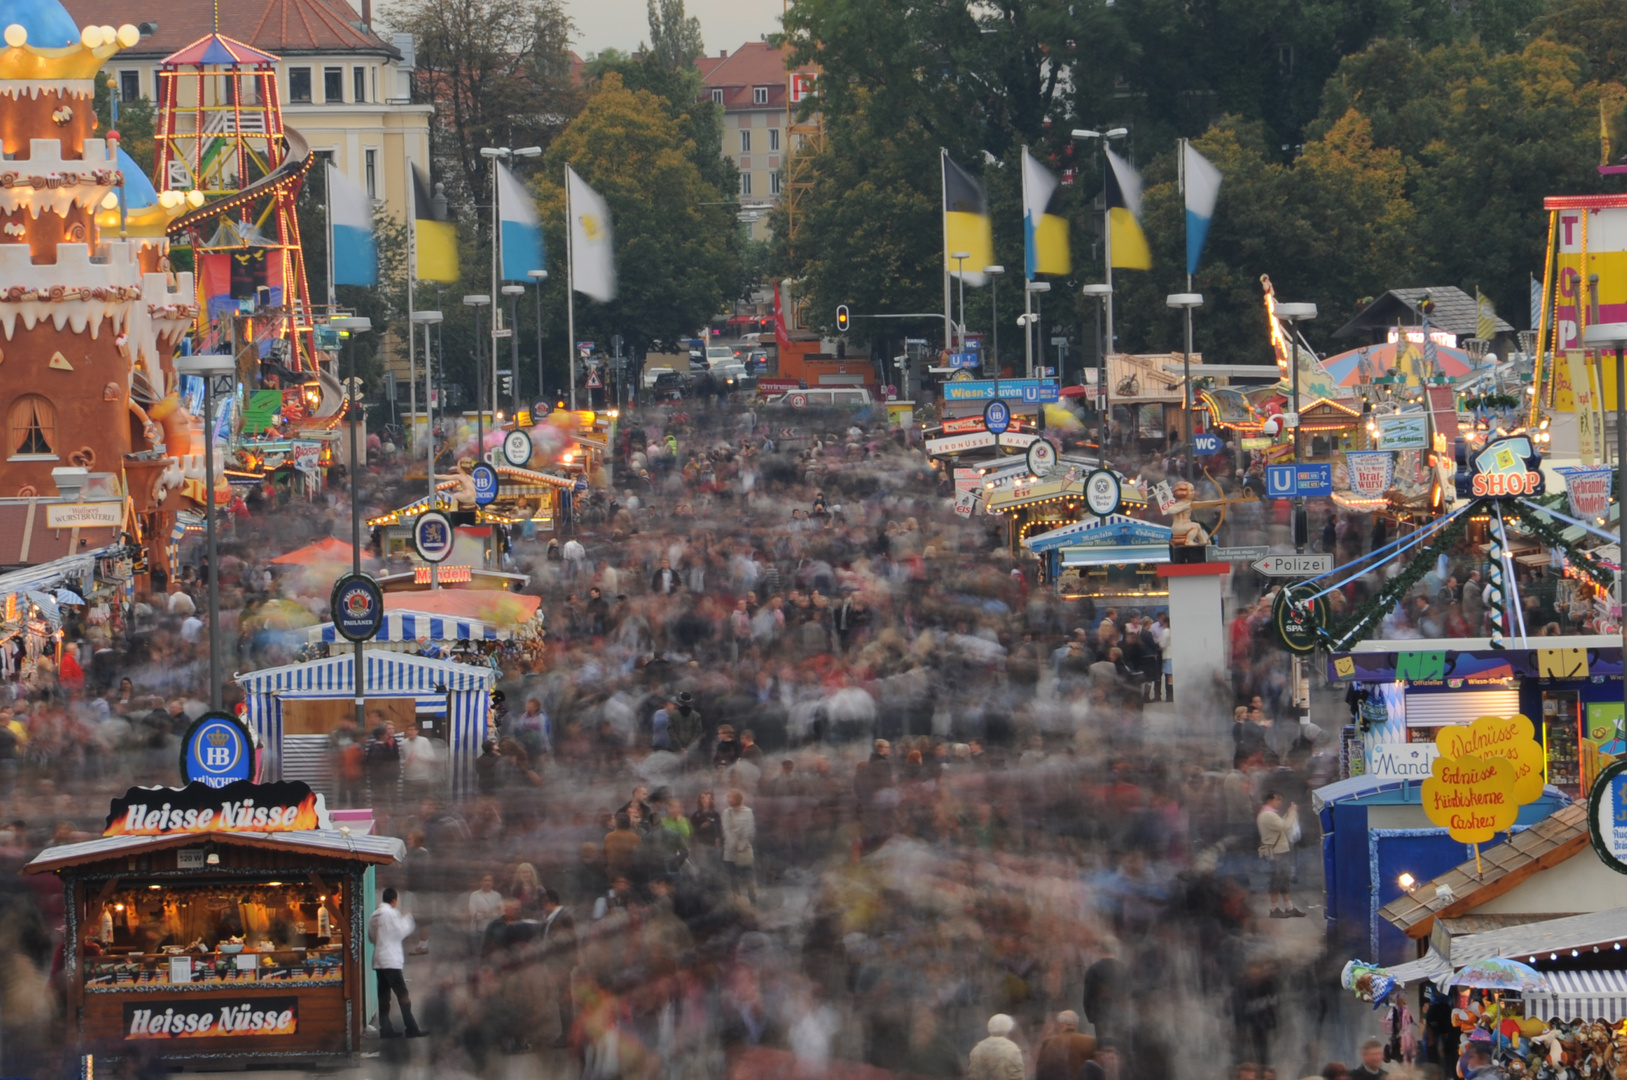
(241, 806)
(217, 750)
(190, 1018)
(358, 607)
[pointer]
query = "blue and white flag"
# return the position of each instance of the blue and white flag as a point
(1202, 189)
(593, 246)
(350, 231)
(522, 232)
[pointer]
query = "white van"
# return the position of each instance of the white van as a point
(823, 397)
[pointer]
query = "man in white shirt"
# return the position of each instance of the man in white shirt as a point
(191, 629)
(485, 908)
(179, 603)
(420, 765)
(387, 928)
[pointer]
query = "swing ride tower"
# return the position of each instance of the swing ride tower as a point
(221, 132)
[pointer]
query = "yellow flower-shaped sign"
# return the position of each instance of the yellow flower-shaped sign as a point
(1472, 797)
(1511, 737)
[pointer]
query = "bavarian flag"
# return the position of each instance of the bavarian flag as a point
(1045, 234)
(1127, 243)
(966, 227)
(436, 238)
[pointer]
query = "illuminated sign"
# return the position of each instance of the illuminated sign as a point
(449, 575)
(188, 1018)
(241, 806)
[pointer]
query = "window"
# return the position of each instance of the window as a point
(773, 139)
(745, 140)
(158, 86)
(32, 423)
(299, 85)
(129, 85)
(333, 85)
(358, 84)
(774, 183)
(372, 157)
(759, 95)
(717, 97)
(745, 183)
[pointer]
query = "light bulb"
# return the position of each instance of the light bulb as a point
(90, 37)
(110, 201)
(194, 198)
(129, 35)
(16, 36)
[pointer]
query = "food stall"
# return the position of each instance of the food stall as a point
(217, 925)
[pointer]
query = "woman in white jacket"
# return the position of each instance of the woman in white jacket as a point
(739, 838)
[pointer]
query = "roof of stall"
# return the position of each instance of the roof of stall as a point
(330, 843)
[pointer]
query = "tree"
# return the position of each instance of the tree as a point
(677, 253)
(135, 127)
(675, 39)
(498, 73)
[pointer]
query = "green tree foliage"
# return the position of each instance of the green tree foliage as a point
(135, 127)
(675, 38)
(498, 73)
(677, 242)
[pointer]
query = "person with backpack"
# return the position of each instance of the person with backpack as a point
(387, 928)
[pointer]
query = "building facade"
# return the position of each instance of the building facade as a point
(343, 86)
(760, 98)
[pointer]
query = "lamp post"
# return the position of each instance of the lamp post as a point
(960, 258)
(1100, 292)
(355, 324)
(1186, 302)
(1613, 336)
(514, 292)
(1105, 137)
(1026, 320)
(496, 154)
(222, 370)
(994, 273)
(478, 301)
(1295, 314)
(1029, 289)
(426, 319)
(539, 276)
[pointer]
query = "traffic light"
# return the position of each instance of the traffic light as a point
(842, 319)
(505, 384)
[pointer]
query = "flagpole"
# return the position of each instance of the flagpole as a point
(1107, 346)
(570, 289)
(327, 195)
(496, 306)
(943, 189)
(412, 282)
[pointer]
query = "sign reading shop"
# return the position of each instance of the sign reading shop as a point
(1506, 468)
(193, 1019)
(284, 806)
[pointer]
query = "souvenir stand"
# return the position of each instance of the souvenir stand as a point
(293, 708)
(217, 926)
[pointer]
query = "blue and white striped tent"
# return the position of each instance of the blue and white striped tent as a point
(409, 626)
(462, 691)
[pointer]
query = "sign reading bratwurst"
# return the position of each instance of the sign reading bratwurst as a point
(189, 1018)
(284, 806)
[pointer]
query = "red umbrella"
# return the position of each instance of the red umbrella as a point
(326, 550)
(1074, 391)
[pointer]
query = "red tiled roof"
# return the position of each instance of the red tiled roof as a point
(754, 64)
(283, 27)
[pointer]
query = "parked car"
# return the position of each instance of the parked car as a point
(668, 386)
(716, 354)
(653, 374)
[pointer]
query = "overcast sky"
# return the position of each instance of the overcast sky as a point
(622, 24)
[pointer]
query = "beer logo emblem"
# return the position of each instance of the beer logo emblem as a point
(218, 748)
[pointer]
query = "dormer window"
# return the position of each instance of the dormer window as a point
(759, 95)
(717, 97)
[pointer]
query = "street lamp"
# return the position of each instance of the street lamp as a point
(539, 276)
(496, 154)
(355, 324)
(1614, 336)
(994, 273)
(960, 258)
(427, 319)
(1100, 292)
(222, 370)
(514, 292)
(1105, 137)
(1186, 301)
(1029, 289)
(1295, 314)
(479, 301)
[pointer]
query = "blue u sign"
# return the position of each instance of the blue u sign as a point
(217, 751)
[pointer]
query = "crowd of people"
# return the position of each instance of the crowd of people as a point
(809, 774)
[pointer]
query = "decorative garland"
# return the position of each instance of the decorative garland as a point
(43, 181)
(1491, 402)
(1494, 581)
(52, 294)
(1550, 536)
(1376, 607)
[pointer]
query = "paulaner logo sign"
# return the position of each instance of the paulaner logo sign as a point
(213, 1019)
(242, 806)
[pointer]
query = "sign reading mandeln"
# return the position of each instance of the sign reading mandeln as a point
(1589, 490)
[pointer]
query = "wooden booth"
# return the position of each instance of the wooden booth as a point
(217, 926)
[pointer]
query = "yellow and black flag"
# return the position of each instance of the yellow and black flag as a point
(1127, 244)
(966, 227)
(435, 237)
